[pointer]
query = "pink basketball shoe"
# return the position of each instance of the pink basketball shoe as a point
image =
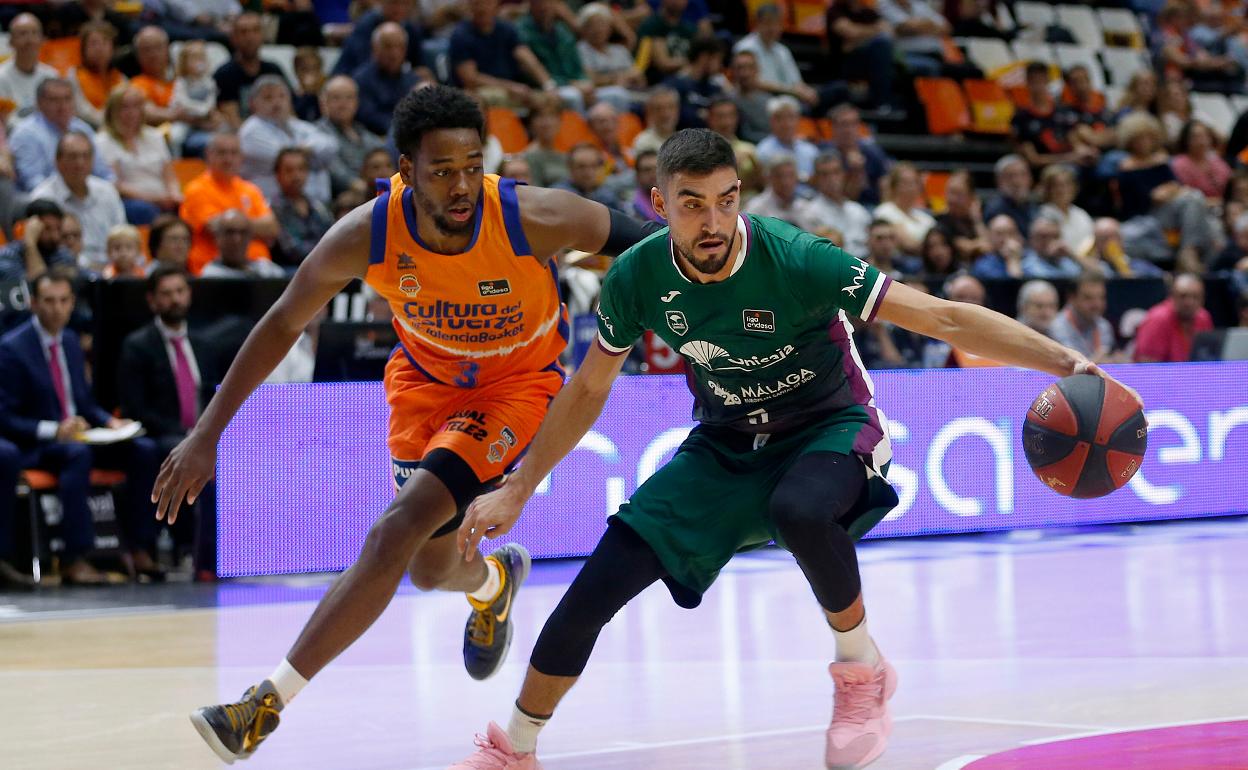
(494, 752)
(861, 723)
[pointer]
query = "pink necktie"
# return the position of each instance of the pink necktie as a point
(58, 379)
(186, 383)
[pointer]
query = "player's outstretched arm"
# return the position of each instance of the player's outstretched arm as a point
(341, 256)
(557, 219)
(571, 415)
(982, 332)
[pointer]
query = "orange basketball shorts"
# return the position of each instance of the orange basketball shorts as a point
(488, 427)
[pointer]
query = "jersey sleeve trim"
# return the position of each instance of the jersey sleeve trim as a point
(610, 349)
(512, 222)
(876, 297)
(377, 233)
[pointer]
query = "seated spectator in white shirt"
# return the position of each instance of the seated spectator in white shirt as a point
(832, 209)
(780, 199)
(270, 128)
(784, 113)
(22, 74)
(1059, 186)
(608, 65)
(777, 69)
(139, 157)
(36, 136)
(1046, 255)
(903, 206)
(232, 231)
(662, 118)
(94, 201)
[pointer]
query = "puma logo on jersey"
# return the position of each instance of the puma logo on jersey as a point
(671, 295)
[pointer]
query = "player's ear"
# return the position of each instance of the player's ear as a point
(405, 169)
(657, 203)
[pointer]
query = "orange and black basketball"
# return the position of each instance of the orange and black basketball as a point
(1085, 436)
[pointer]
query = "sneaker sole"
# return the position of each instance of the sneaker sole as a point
(522, 574)
(210, 737)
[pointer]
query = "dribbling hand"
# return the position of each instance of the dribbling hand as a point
(490, 515)
(1087, 367)
(183, 474)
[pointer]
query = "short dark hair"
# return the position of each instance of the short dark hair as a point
(1088, 277)
(286, 151)
(579, 146)
(878, 223)
(160, 226)
(42, 207)
(434, 108)
(696, 151)
(1037, 68)
(701, 46)
(720, 101)
(161, 273)
(57, 274)
(644, 155)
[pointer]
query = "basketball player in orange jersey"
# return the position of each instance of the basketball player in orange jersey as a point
(465, 261)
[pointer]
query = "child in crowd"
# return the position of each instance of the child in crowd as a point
(125, 253)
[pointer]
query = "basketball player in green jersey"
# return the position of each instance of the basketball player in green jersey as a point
(790, 445)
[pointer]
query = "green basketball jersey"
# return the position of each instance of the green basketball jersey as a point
(769, 348)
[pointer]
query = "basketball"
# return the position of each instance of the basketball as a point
(1085, 436)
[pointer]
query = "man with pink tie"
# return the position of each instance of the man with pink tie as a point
(46, 404)
(166, 376)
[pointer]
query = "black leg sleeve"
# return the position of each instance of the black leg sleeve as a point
(621, 566)
(815, 494)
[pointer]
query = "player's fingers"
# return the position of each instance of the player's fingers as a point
(465, 529)
(162, 478)
(179, 492)
(197, 486)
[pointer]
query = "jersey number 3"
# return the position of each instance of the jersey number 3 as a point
(467, 374)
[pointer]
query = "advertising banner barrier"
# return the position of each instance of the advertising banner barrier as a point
(303, 470)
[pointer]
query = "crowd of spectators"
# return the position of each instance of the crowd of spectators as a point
(177, 145)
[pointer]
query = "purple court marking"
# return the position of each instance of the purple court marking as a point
(303, 470)
(1215, 746)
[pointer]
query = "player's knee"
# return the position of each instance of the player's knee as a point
(797, 515)
(426, 577)
(390, 539)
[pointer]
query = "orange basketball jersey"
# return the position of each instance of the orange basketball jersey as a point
(472, 318)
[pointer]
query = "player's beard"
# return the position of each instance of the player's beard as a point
(708, 265)
(445, 224)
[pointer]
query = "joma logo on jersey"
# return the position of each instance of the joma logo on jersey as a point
(408, 284)
(493, 288)
(861, 274)
(759, 320)
(713, 358)
(676, 322)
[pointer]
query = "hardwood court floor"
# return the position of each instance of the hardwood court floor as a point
(998, 640)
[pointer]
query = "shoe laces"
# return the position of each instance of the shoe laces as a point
(252, 714)
(856, 699)
(481, 627)
(488, 756)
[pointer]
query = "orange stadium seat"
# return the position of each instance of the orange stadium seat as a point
(63, 53)
(991, 109)
(947, 112)
(572, 131)
(507, 127)
(934, 190)
(186, 169)
(630, 127)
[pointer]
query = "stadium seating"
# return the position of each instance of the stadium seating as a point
(1083, 24)
(1122, 63)
(1071, 55)
(1215, 110)
(945, 105)
(1035, 15)
(988, 53)
(1121, 27)
(508, 129)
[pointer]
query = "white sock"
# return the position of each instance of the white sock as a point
(287, 681)
(856, 645)
(523, 730)
(493, 582)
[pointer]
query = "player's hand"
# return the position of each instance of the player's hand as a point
(183, 474)
(1087, 367)
(490, 515)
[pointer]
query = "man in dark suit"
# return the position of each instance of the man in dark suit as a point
(10, 465)
(166, 377)
(46, 404)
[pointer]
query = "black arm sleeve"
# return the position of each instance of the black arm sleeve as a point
(626, 231)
